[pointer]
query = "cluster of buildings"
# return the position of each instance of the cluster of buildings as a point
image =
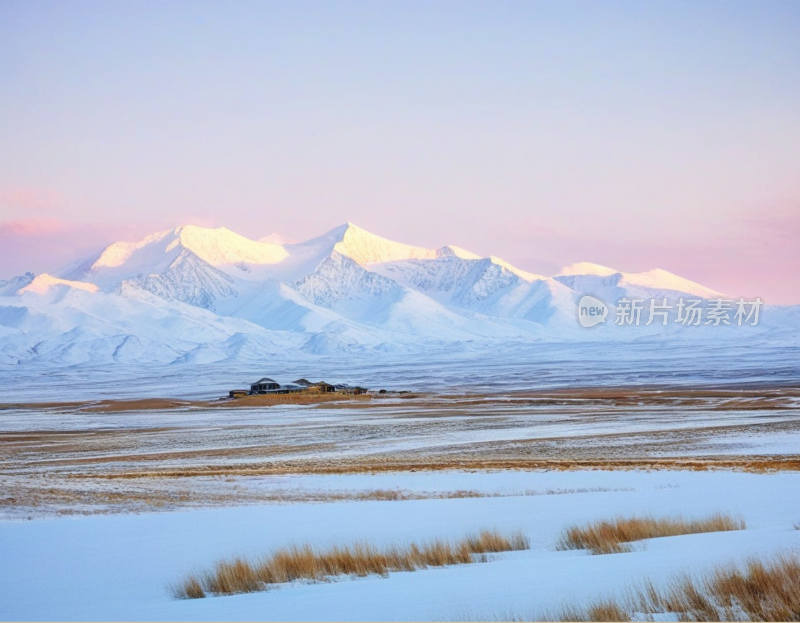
(270, 386)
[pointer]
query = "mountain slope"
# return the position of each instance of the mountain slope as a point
(14, 285)
(220, 248)
(366, 248)
(194, 294)
(187, 279)
(454, 279)
(614, 285)
(72, 325)
(342, 284)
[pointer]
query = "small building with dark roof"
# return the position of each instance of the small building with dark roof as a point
(292, 388)
(264, 385)
(271, 386)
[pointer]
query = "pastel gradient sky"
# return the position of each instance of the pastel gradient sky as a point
(631, 134)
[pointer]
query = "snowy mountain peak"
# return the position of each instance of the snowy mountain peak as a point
(586, 268)
(199, 294)
(155, 253)
(523, 274)
(662, 280)
(41, 284)
(15, 284)
(218, 247)
(453, 251)
(366, 248)
(221, 247)
(370, 250)
(584, 275)
(276, 239)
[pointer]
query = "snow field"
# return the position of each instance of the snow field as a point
(118, 567)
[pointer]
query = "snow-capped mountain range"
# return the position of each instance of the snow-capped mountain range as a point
(195, 294)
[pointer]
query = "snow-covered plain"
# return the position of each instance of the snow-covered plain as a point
(118, 567)
(172, 491)
(472, 366)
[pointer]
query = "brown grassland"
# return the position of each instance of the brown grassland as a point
(170, 404)
(756, 464)
(304, 562)
(615, 536)
(124, 455)
(159, 495)
(756, 591)
(762, 398)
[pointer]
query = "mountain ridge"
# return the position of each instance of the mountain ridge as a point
(194, 294)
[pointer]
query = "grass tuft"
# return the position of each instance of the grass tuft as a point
(756, 591)
(615, 536)
(239, 575)
(603, 610)
(491, 541)
(190, 588)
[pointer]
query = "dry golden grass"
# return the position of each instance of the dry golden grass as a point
(240, 575)
(491, 541)
(391, 464)
(604, 610)
(757, 591)
(265, 400)
(708, 398)
(168, 404)
(611, 537)
(91, 498)
(192, 589)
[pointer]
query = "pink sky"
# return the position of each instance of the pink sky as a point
(751, 256)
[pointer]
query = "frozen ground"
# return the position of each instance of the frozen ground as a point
(467, 368)
(118, 567)
(100, 510)
(74, 459)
